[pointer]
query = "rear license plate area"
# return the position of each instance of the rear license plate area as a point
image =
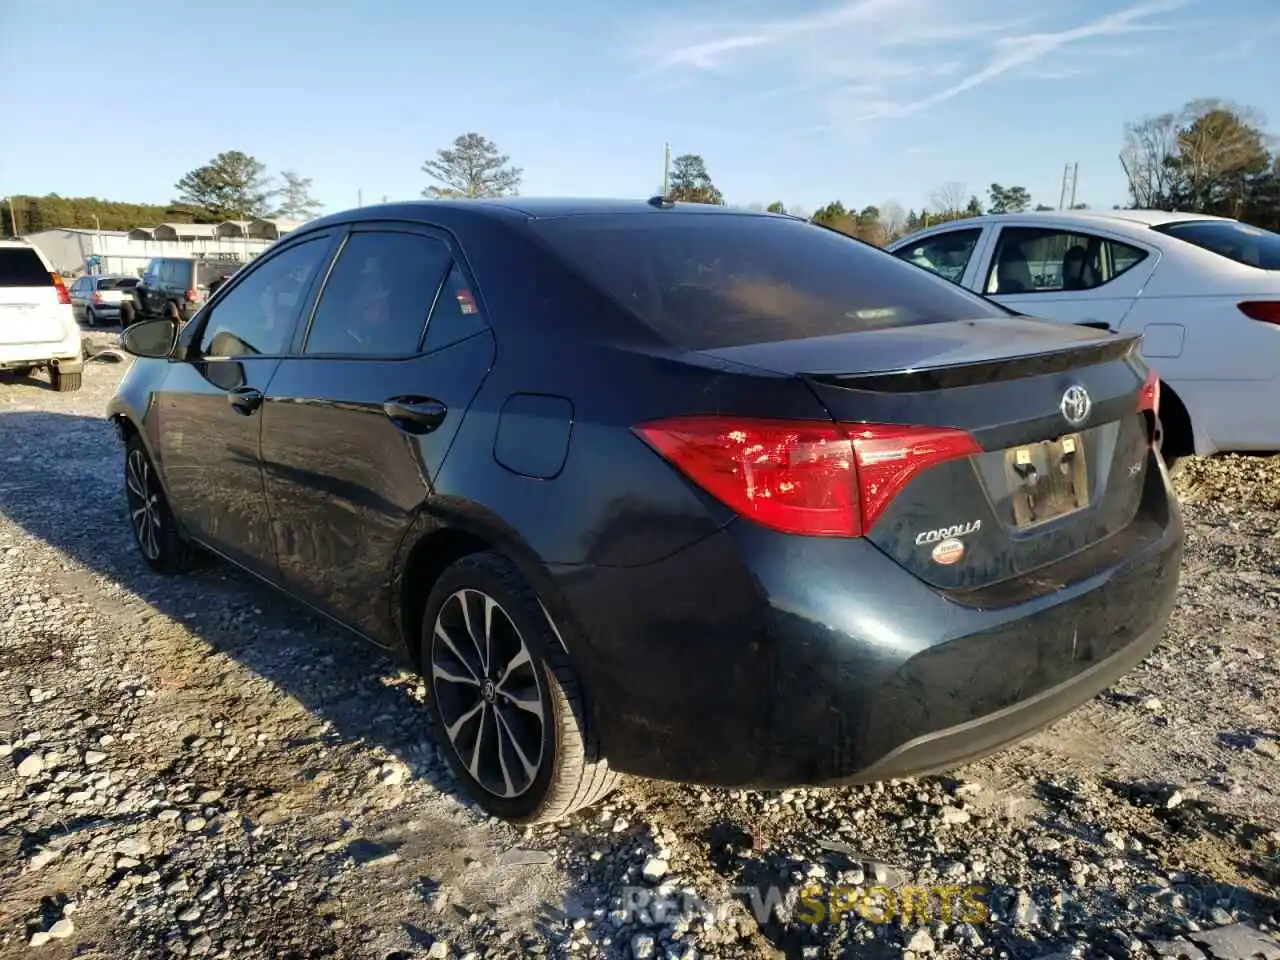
(1046, 480)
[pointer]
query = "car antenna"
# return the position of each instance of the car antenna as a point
(661, 202)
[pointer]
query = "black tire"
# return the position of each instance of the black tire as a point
(65, 382)
(127, 314)
(172, 312)
(570, 773)
(155, 533)
(1176, 439)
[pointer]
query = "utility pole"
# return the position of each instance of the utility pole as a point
(1075, 178)
(13, 217)
(1068, 186)
(359, 198)
(666, 169)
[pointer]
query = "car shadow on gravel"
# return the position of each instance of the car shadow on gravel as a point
(61, 480)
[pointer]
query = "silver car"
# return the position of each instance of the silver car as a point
(97, 299)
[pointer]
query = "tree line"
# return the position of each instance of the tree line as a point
(1210, 156)
(231, 186)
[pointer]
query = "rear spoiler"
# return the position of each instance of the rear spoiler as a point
(1115, 347)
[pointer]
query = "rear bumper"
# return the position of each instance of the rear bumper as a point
(758, 660)
(40, 354)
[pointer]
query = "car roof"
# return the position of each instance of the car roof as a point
(521, 208)
(1147, 218)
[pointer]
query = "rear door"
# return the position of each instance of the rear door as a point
(30, 311)
(147, 293)
(358, 422)
(1064, 273)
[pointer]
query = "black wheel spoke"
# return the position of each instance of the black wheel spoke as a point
(488, 693)
(143, 496)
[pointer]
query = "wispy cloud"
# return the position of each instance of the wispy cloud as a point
(1246, 43)
(878, 59)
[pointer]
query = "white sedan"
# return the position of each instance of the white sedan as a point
(1203, 291)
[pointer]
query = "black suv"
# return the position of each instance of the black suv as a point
(176, 287)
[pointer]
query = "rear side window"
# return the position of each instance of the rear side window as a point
(702, 281)
(456, 315)
(377, 297)
(1252, 246)
(22, 267)
(206, 273)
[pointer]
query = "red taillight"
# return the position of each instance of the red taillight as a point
(1149, 398)
(192, 296)
(63, 297)
(803, 477)
(96, 298)
(1268, 311)
(889, 457)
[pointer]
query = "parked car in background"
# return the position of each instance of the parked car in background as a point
(97, 299)
(38, 328)
(664, 489)
(1204, 293)
(177, 286)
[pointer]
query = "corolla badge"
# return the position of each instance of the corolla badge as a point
(947, 533)
(1075, 405)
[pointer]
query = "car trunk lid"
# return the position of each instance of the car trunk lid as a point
(1054, 409)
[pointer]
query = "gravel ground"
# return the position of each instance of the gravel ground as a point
(194, 767)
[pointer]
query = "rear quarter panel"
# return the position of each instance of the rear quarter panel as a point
(1223, 365)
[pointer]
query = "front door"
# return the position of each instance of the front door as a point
(357, 423)
(210, 416)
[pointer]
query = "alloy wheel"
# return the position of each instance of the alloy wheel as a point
(488, 693)
(144, 504)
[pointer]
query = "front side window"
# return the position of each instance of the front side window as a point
(1040, 260)
(946, 254)
(377, 297)
(256, 318)
(1252, 246)
(704, 281)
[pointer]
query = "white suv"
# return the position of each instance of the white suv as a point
(37, 325)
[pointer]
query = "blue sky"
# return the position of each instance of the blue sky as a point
(806, 102)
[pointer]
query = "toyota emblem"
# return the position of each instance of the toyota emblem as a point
(1076, 405)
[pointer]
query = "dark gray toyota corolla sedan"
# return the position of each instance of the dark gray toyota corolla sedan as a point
(669, 490)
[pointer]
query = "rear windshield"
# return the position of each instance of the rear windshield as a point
(22, 267)
(118, 283)
(702, 281)
(1252, 246)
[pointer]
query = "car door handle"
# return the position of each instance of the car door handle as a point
(245, 400)
(415, 414)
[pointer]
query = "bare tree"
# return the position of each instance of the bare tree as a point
(950, 198)
(893, 219)
(1149, 155)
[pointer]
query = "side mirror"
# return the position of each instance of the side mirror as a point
(153, 339)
